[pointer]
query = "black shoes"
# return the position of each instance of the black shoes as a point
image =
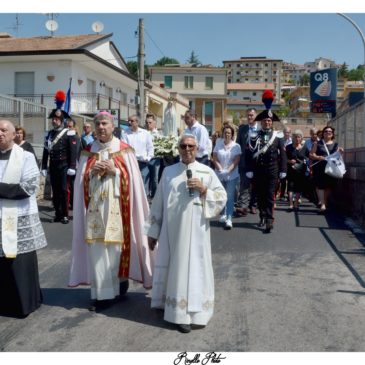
(269, 225)
(63, 220)
(183, 328)
(99, 305)
(123, 287)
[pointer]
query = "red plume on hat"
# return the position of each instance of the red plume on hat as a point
(59, 98)
(268, 98)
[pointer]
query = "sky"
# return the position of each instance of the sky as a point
(214, 37)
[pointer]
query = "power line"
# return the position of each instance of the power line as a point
(154, 42)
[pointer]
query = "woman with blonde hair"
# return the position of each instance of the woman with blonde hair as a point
(297, 167)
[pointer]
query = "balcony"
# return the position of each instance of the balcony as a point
(80, 104)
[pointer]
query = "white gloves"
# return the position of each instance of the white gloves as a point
(44, 173)
(249, 174)
(282, 175)
(71, 172)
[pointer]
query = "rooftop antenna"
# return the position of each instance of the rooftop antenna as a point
(52, 26)
(97, 27)
(15, 27)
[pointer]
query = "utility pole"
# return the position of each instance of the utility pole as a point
(141, 55)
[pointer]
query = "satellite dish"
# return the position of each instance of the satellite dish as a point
(51, 25)
(97, 27)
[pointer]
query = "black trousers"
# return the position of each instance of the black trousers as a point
(19, 285)
(58, 176)
(265, 184)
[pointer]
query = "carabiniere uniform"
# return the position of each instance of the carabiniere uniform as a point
(266, 157)
(61, 149)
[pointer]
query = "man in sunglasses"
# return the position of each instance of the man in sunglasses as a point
(188, 195)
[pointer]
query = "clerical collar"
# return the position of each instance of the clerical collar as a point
(5, 155)
(105, 145)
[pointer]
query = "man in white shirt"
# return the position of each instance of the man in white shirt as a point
(141, 141)
(200, 133)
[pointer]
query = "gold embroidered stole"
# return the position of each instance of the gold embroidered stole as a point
(119, 208)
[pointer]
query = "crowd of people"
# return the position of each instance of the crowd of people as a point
(136, 219)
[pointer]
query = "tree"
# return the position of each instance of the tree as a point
(343, 71)
(304, 80)
(193, 58)
(133, 69)
(356, 74)
(166, 61)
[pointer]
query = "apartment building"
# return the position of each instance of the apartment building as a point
(204, 86)
(255, 70)
(319, 64)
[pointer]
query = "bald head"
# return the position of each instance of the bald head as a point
(7, 134)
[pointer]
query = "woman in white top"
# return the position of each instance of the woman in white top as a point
(226, 156)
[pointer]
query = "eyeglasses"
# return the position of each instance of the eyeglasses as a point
(184, 146)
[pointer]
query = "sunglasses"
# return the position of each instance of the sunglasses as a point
(184, 146)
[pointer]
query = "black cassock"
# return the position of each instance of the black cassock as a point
(20, 292)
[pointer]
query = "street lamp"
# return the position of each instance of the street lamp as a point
(362, 38)
(363, 42)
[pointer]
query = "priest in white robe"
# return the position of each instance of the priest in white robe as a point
(110, 208)
(21, 232)
(188, 195)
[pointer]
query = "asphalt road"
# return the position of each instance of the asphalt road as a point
(300, 288)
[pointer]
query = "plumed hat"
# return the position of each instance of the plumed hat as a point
(267, 99)
(59, 100)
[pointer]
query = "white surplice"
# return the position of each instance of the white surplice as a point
(183, 282)
(97, 263)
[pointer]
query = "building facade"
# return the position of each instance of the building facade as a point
(204, 86)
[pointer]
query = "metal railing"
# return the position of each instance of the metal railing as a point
(80, 103)
(349, 126)
(32, 117)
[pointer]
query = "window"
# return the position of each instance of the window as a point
(209, 82)
(254, 94)
(294, 121)
(237, 80)
(208, 114)
(229, 81)
(24, 83)
(189, 82)
(237, 72)
(234, 93)
(309, 121)
(168, 82)
(274, 64)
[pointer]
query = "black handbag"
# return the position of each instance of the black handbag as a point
(299, 167)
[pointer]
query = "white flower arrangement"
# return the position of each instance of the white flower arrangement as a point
(165, 146)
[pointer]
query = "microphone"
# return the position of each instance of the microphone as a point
(189, 175)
